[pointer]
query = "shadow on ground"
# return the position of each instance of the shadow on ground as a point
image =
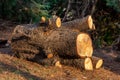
(109, 56)
(26, 75)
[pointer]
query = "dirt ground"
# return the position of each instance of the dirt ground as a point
(12, 68)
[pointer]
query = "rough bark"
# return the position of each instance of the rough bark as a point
(63, 42)
(67, 43)
(97, 62)
(82, 64)
(55, 21)
(51, 23)
(22, 49)
(83, 24)
(78, 63)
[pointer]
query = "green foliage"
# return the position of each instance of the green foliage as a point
(23, 10)
(30, 10)
(37, 10)
(115, 4)
(107, 31)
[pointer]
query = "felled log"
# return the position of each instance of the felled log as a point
(83, 24)
(83, 64)
(63, 42)
(97, 62)
(53, 22)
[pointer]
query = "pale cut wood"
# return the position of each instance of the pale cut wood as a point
(97, 62)
(84, 45)
(55, 21)
(83, 24)
(51, 23)
(58, 64)
(43, 19)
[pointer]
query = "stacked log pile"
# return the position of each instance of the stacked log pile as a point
(54, 43)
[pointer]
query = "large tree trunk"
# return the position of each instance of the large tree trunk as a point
(85, 64)
(63, 42)
(83, 24)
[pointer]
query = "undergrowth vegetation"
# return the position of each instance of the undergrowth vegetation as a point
(28, 10)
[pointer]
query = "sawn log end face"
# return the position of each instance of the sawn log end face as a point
(58, 22)
(84, 45)
(88, 64)
(99, 64)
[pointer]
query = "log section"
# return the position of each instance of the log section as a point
(82, 64)
(62, 41)
(97, 62)
(53, 22)
(65, 43)
(83, 24)
(85, 64)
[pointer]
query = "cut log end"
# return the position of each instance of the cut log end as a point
(99, 64)
(88, 64)
(55, 21)
(50, 55)
(57, 64)
(84, 45)
(58, 22)
(43, 19)
(90, 23)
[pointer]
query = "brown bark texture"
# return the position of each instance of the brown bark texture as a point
(82, 64)
(83, 24)
(97, 62)
(63, 42)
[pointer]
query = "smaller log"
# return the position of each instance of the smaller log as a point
(68, 43)
(97, 62)
(82, 64)
(85, 64)
(83, 24)
(55, 21)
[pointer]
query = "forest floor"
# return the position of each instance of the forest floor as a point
(12, 68)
